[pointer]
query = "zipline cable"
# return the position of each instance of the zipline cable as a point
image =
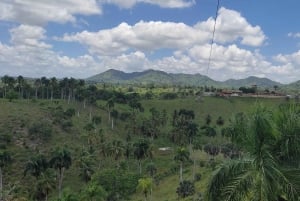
(213, 38)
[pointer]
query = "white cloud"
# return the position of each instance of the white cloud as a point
(127, 47)
(294, 35)
(143, 36)
(231, 26)
(28, 36)
(40, 12)
(149, 36)
(161, 3)
(29, 55)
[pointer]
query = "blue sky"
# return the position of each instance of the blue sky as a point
(81, 38)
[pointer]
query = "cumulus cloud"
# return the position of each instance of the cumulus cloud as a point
(143, 36)
(130, 47)
(149, 36)
(29, 55)
(40, 12)
(230, 26)
(34, 12)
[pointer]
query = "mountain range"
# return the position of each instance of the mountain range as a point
(162, 78)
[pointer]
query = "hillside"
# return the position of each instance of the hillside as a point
(163, 78)
(22, 130)
(293, 87)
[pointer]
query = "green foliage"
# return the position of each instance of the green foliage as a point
(97, 120)
(117, 183)
(185, 189)
(70, 112)
(93, 192)
(36, 165)
(260, 173)
(41, 130)
(145, 186)
(11, 95)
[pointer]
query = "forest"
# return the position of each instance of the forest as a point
(70, 140)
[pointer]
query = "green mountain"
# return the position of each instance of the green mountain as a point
(293, 87)
(252, 80)
(163, 78)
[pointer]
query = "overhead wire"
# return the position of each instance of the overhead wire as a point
(213, 37)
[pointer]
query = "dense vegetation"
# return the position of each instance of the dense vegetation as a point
(67, 140)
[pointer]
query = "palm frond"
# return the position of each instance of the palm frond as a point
(227, 172)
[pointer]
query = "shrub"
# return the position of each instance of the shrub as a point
(41, 130)
(185, 188)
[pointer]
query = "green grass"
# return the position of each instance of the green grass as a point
(17, 116)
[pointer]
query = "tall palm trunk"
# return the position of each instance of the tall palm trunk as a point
(1, 184)
(180, 172)
(60, 180)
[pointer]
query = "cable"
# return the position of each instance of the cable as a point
(213, 37)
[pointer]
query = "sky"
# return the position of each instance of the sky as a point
(81, 38)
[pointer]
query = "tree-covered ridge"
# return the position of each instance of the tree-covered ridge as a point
(162, 78)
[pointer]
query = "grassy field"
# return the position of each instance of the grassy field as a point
(17, 116)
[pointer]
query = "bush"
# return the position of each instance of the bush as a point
(41, 130)
(124, 116)
(198, 177)
(96, 120)
(69, 112)
(185, 189)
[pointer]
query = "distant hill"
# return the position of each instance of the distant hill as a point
(252, 80)
(162, 78)
(293, 87)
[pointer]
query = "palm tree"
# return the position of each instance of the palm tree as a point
(46, 183)
(61, 160)
(117, 149)
(37, 84)
(151, 169)
(86, 164)
(141, 151)
(110, 104)
(36, 165)
(182, 155)
(114, 114)
(288, 125)
(20, 81)
(5, 159)
(4, 80)
(145, 186)
(53, 85)
(257, 175)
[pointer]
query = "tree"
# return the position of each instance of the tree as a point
(45, 184)
(20, 81)
(257, 175)
(53, 84)
(114, 115)
(93, 192)
(61, 160)
(151, 169)
(37, 84)
(185, 189)
(145, 186)
(4, 80)
(36, 165)
(86, 163)
(110, 104)
(182, 155)
(5, 159)
(287, 121)
(141, 151)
